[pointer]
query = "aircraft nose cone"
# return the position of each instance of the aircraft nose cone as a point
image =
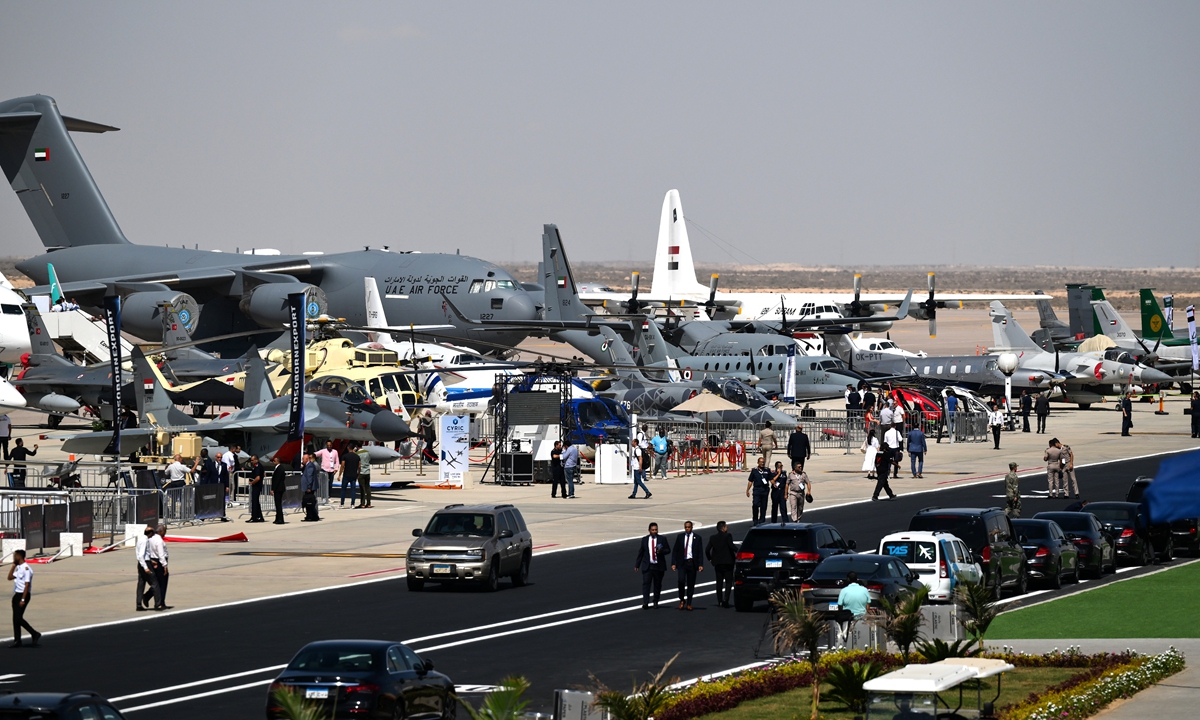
(519, 306)
(1150, 375)
(389, 427)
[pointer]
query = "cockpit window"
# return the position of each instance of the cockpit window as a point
(506, 285)
(476, 286)
(356, 394)
(11, 309)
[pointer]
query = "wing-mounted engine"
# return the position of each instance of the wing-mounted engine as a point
(265, 298)
(143, 305)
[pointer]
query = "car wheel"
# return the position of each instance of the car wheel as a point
(1147, 554)
(398, 710)
(1168, 553)
(1084, 406)
(1056, 581)
(1075, 575)
(1022, 586)
(521, 577)
(492, 582)
(742, 604)
(415, 584)
(449, 706)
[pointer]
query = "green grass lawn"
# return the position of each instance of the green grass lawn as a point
(1163, 605)
(796, 703)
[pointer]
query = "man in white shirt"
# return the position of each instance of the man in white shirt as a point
(995, 423)
(689, 560)
(177, 472)
(147, 584)
(22, 576)
(156, 559)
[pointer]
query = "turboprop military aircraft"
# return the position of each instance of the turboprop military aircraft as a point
(1174, 359)
(237, 292)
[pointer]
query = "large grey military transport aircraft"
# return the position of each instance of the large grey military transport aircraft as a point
(238, 292)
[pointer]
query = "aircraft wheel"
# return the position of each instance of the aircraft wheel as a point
(1084, 406)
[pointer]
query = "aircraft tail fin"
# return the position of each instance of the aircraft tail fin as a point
(55, 285)
(618, 354)
(258, 387)
(174, 332)
(674, 273)
(1154, 324)
(154, 405)
(376, 317)
(562, 294)
(1007, 333)
(1111, 323)
(48, 174)
(1046, 315)
(41, 346)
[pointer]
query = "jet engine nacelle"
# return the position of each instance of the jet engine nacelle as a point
(267, 304)
(916, 312)
(142, 312)
(876, 327)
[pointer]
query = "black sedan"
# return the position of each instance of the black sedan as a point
(1049, 555)
(1097, 554)
(1137, 541)
(1185, 533)
(777, 555)
(364, 679)
(882, 576)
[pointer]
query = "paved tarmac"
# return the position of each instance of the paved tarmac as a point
(580, 618)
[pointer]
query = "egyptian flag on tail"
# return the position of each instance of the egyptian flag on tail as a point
(296, 316)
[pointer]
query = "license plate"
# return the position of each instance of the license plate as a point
(316, 693)
(774, 563)
(833, 607)
(441, 569)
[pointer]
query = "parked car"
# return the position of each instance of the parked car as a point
(989, 535)
(777, 555)
(882, 576)
(1049, 554)
(365, 679)
(1137, 541)
(939, 558)
(1186, 533)
(1097, 553)
(53, 706)
(471, 543)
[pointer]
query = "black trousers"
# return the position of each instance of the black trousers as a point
(1195, 425)
(652, 579)
(996, 435)
(724, 583)
(687, 581)
(759, 509)
(4, 446)
(1126, 424)
(19, 616)
(881, 473)
(1041, 423)
(558, 479)
(277, 494)
(310, 506)
(1025, 419)
(147, 587)
(778, 507)
(256, 502)
(160, 574)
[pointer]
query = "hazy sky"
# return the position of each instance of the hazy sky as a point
(835, 133)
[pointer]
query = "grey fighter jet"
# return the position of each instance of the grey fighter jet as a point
(237, 292)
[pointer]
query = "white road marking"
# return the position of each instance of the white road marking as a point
(273, 668)
(11, 676)
(197, 696)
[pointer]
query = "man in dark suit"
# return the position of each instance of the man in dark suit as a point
(1026, 408)
(278, 486)
(722, 553)
(799, 449)
(1126, 414)
(652, 564)
(1041, 408)
(689, 560)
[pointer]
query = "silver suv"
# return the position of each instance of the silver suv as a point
(471, 543)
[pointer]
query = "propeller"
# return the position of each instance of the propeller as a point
(930, 307)
(857, 308)
(710, 306)
(634, 305)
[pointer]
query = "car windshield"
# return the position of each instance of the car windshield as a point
(1032, 529)
(1112, 514)
(463, 524)
(764, 541)
(1137, 492)
(909, 551)
(333, 659)
(835, 568)
(968, 528)
(1070, 522)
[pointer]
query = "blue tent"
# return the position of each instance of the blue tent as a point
(1175, 492)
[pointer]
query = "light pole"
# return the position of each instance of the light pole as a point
(1007, 363)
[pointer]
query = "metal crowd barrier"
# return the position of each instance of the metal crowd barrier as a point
(11, 502)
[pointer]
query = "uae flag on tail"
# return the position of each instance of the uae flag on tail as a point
(562, 281)
(41, 154)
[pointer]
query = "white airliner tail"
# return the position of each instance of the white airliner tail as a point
(674, 273)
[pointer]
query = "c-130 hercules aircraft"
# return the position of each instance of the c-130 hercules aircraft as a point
(238, 292)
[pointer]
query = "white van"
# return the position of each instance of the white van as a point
(939, 558)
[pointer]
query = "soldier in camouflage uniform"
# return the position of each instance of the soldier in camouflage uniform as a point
(1012, 491)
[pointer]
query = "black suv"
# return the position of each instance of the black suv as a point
(1138, 542)
(989, 534)
(779, 555)
(1185, 534)
(56, 706)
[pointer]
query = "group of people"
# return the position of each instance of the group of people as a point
(152, 569)
(564, 469)
(1060, 477)
(786, 491)
(686, 558)
(887, 440)
(1039, 405)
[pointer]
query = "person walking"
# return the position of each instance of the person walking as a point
(1053, 459)
(349, 475)
(364, 478)
(855, 599)
(1196, 414)
(1026, 408)
(310, 482)
(21, 576)
(1012, 492)
(570, 461)
(722, 553)
(799, 490)
(688, 562)
(157, 561)
(639, 460)
(652, 564)
(1068, 460)
(425, 428)
(257, 474)
(6, 434)
(767, 443)
(778, 492)
(995, 423)
(147, 584)
(759, 484)
(1041, 408)
(951, 412)
(329, 461)
(1126, 414)
(883, 465)
(661, 448)
(278, 488)
(799, 449)
(917, 447)
(870, 455)
(19, 455)
(556, 471)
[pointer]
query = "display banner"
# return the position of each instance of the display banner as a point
(455, 448)
(296, 408)
(789, 375)
(112, 324)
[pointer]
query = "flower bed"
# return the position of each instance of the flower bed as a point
(1086, 694)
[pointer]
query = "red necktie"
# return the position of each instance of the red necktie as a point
(653, 550)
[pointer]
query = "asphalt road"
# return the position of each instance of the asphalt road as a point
(580, 618)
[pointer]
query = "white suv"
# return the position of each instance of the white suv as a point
(939, 558)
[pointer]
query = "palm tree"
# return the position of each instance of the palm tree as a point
(796, 625)
(979, 604)
(904, 618)
(647, 700)
(505, 703)
(295, 707)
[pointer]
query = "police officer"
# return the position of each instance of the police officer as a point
(760, 484)
(1012, 492)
